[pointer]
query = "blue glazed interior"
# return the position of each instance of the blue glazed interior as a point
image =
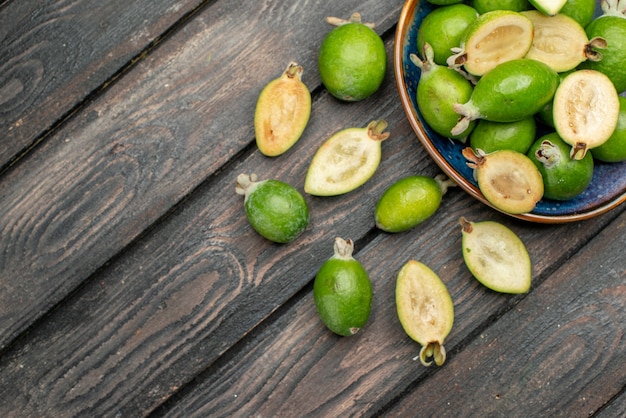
(609, 180)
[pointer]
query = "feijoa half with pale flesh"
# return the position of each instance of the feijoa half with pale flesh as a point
(346, 160)
(493, 38)
(561, 42)
(508, 179)
(282, 112)
(585, 110)
(425, 310)
(496, 256)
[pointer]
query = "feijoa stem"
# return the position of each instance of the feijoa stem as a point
(614, 8)
(343, 248)
(548, 154)
(294, 70)
(244, 182)
(375, 130)
(434, 350)
(428, 63)
(591, 49)
(466, 225)
(444, 183)
(355, 18)
(475, 158)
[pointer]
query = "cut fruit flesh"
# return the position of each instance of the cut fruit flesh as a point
(549, 7)
(561, 42)
(496, 257)
(282, 112)
(346, 160)
(493, 38)
(508, 179)
(585, 110)
(425, 309)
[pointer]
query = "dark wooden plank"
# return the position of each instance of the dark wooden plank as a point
(560, 352)
(617, 408)
(185, 293)
(175, 119)
(295, 367)
(55, 54)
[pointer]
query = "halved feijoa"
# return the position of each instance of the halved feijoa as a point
(561, 42)
(493, 38)
(496, 256)
(282, 112)
(508, 179)
(425, 310)
(585, 110)
(275, 209)
(346, 160)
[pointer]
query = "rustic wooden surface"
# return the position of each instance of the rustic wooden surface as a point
(132, 284)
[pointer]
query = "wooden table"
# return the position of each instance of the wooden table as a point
(132, 284)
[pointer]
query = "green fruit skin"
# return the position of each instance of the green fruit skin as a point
(514, 90)
(438, 89)
(407, 203)
(443, 29)
(613, 62)
(493, 136)
(484, 6)
(580, 10)
(614, 149)
(568, 177)
(342, 292)
(444, 2)
(277, 211)
(352, 62)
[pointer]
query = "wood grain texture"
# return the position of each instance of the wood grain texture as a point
(56, 53)
(560, 352)
(172, 122)
(297, 367)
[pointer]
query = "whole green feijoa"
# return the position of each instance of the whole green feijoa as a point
(409, 202)
(512, 91)
(342, 291)
(443, 29)
(580, 10)
(352, 59)
(492, 136)
(438, 89)
(611, 26)
(275, 209)
(563, 177)
(614, 149)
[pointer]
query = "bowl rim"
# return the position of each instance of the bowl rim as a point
(408, 10)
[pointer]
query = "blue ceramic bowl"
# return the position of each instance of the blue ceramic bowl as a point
(608, 186)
